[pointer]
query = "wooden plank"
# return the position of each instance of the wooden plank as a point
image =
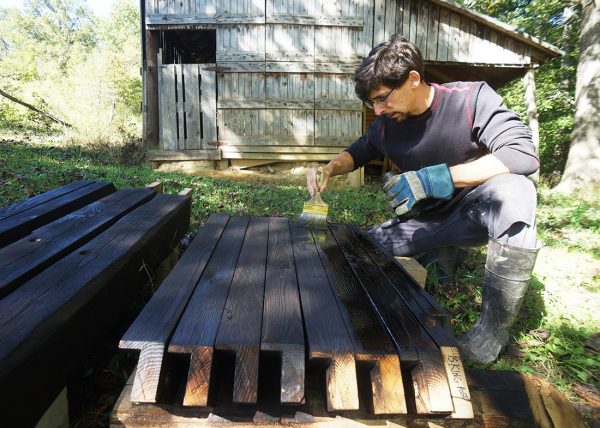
(216, 18)
(42, 198)
(240, 327)
(21, 219)
(454, 37)
(179, 107)
(512, 409)
(25, 258)
(390, 19)
(153, 327)
(369, 338)
(277, 149)
(282, 329)
(431, 315)
(464, 35)
(422, 23)
(432, 393)
(444, 35)
(459, 390)
(406, 19)
(208, 104)
(432, 33)
(379, 23)
(183, 155)
(196, 332)
(193, 135)
(168, 107)
(49, 323)
(325, 329)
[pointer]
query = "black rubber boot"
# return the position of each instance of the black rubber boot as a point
(507, 273)
(445, 261)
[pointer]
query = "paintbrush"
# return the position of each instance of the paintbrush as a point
(314, 213)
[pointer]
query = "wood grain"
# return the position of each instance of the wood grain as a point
(325, 329)
(282, 329)
(412, 341)
(199, 324)
(240, 327)
(370, 340)
(155, 324)
(25, 258)
(49, 323)
(19, 220)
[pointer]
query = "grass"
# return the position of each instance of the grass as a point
(559, 315)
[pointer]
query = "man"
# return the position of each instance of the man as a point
(464, 159)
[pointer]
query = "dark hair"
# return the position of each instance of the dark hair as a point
(388, 64)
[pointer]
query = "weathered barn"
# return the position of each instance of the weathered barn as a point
(272, 79)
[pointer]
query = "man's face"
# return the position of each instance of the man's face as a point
(396, 103)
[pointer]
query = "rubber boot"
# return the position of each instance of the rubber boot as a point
(508, 270)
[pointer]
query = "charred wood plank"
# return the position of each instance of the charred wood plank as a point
(153, 327)
(197, 330)
(371, 342)
(48, 325)
(431, 316)
(282, 329)
(240, 327)
(429, 379)
(433, 319)
(25, 258)
(19, 220)
(326, 332)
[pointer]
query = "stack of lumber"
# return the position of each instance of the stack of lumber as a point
(71, 261)
(328, 304)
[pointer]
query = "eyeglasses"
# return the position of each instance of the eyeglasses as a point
(381, 99)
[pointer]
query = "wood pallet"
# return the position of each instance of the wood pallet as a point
(71, 260)
(328, 303)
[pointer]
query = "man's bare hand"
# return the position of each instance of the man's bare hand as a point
(312, 180)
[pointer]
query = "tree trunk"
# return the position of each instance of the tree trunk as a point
(582, 170)
(532, 116)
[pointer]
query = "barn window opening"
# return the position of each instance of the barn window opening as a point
(188, 46)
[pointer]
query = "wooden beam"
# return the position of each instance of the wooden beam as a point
(153, 327)
(240, 326)
(183, 155)
(282, 329)
(19, 220)
(151, 89)
(370, 340)
(25, 258)
(198, 327)
(325, 329)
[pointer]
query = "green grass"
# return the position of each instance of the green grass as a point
(560, 312)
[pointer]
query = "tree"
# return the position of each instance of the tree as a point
(582, 170)
(556, 22)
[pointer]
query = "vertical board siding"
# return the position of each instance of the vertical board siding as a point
(241, 43)
(187, 99)
(443, 35)
(290, 43)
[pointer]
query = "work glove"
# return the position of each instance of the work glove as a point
(403, 191)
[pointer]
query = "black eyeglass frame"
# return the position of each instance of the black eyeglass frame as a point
(381, 100)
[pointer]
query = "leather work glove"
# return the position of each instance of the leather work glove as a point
(403, 191)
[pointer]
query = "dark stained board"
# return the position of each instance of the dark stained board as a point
(42, 198)
(240, 327)
(19, 220)
(429, 378)
(48, 323)
(433, 319)
(324, 326)
(370, 340)
(25, 258)
(154, 326)
(196, 332)
(282, 329)
(421, 304)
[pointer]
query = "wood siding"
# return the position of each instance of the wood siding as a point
(444, 35)
(284, 68)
